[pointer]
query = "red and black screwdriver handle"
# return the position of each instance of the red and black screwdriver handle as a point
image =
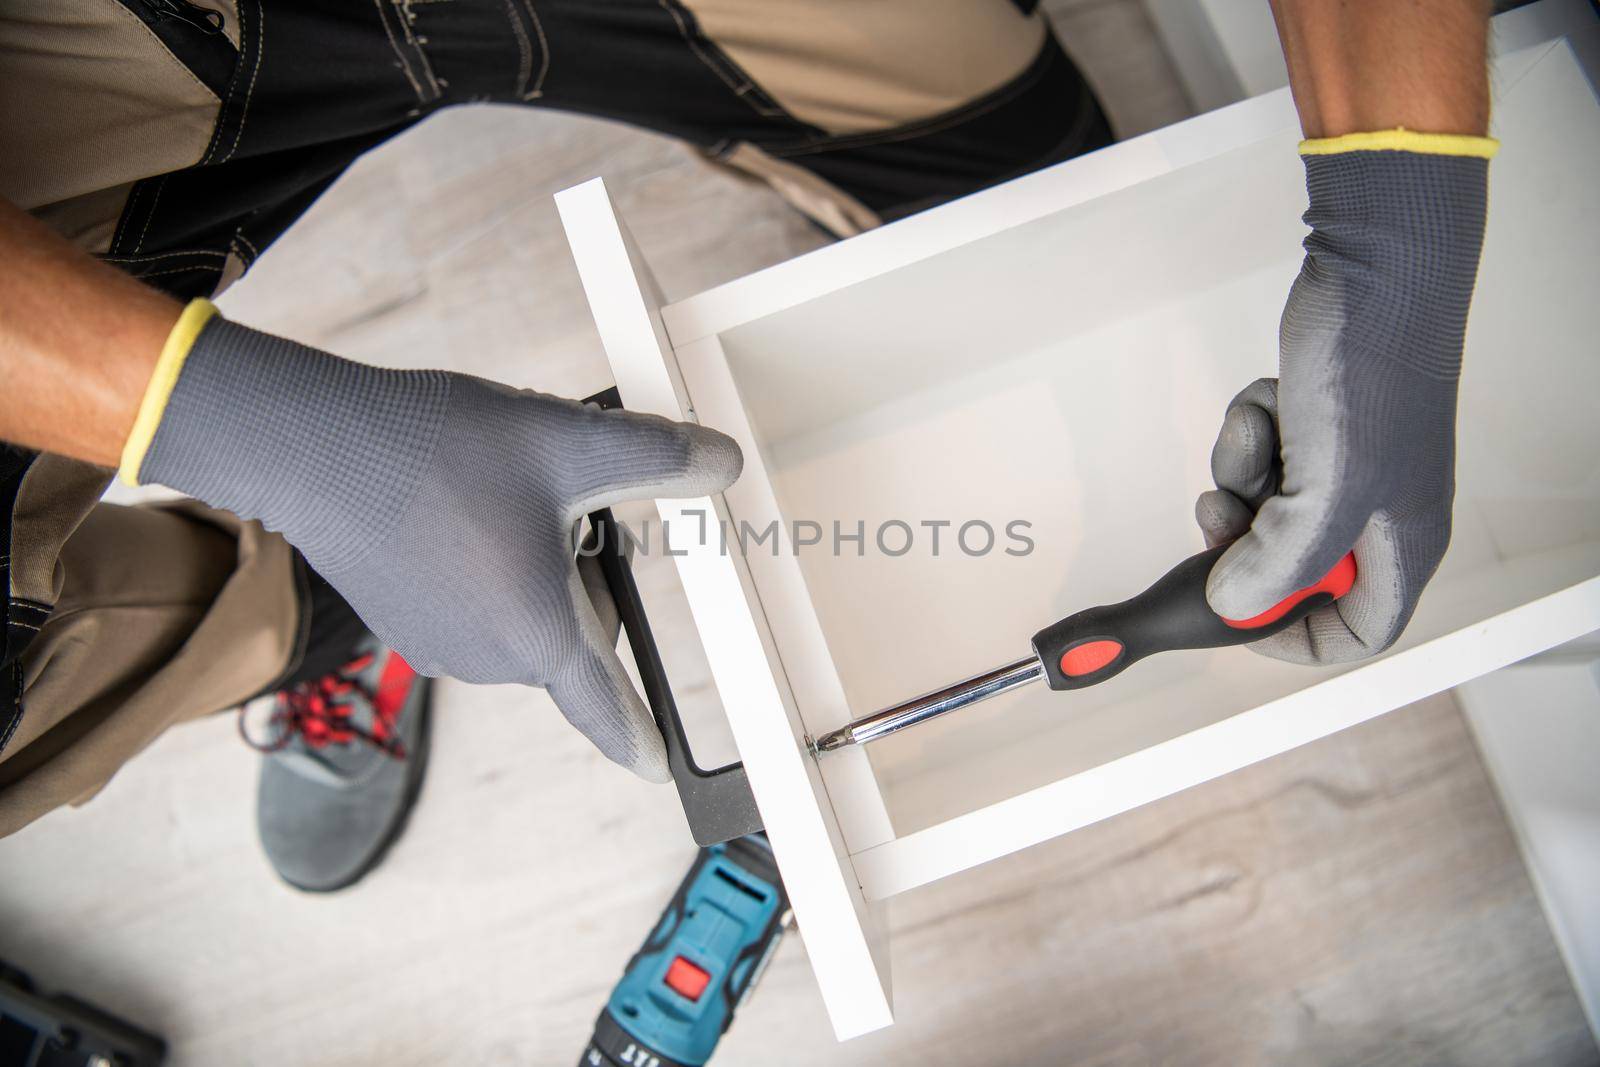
(1102, 642)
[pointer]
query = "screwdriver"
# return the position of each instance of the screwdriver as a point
(1101, 642)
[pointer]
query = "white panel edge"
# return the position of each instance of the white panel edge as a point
(1534, 724)
(629, 328)
(910, 240)
(1023, 199)
(852, 785)
(1212, 751)
(843, 934)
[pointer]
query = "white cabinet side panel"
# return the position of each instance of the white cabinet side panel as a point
(785, 604)
(911, 240)
(1538, 727)
(843, 934)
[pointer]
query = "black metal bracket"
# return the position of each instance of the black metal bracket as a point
(717, 802)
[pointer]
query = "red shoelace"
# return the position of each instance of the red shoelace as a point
(320, 711)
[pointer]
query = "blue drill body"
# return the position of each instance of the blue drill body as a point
(680, 990)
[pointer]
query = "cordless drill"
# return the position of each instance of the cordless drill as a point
(680, 990)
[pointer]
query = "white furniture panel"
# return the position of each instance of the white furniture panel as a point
(843, 935)
(1538, 726)
(1058, 352)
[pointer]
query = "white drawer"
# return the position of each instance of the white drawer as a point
(1059, 350)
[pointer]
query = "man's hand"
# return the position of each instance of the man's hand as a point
(442, 506)
(1353, 445)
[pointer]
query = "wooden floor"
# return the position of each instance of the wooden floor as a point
(1358, 901)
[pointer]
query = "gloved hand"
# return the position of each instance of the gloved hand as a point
(1353, 445)
(442, 506)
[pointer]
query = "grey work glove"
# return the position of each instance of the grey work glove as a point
(442, 506)
(1353, 445)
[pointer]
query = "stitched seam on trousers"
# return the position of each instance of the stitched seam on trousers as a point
(141, 189)
(223, 114)
(122, 223)
(9, 647)
(404, 9)
(244, 110)
(524, 51)
(157, 38)
(154, 200)
(238, 235)
(544, 49)
(1080, 125)
(405, 65)
(198, 260)
(964, 114)
(14, 647)
(16, 705)
(723, 67)
(160, 255)
(181, 270)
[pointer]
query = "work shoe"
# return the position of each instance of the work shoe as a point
(345, 758)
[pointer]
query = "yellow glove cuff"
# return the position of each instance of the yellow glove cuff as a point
(168, 365)
(1401, 139)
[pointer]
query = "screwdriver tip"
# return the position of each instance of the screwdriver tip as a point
(829, 742)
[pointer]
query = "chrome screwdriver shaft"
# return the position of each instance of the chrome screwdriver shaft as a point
(932, 705)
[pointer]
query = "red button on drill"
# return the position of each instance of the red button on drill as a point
(686, 979)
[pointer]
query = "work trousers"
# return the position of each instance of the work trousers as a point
(177, 139)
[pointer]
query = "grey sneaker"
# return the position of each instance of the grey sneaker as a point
(345, 759)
